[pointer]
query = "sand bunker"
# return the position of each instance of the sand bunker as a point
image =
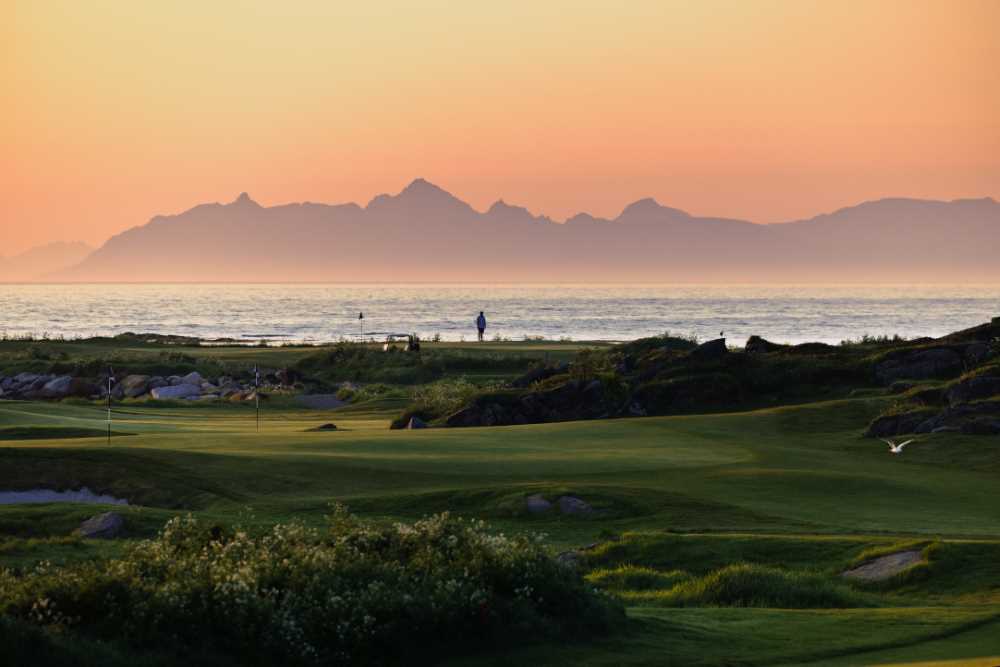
(884, 567)
(84, 495)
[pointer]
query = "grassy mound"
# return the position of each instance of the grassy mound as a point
(750, 585)
(356, 593)
(636, 578)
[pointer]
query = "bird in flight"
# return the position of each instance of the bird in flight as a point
(894, 448)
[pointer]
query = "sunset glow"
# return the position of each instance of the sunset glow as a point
(116, 111)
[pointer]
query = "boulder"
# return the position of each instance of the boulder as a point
(135, 385)
(921, 365)
(177, 391)
(209, 388)
(83, 388)
(174, 380)
(326, 427)
(981, 427)
(60, 387)
(713, 349)
(464, 417)
(194, 377)
(103, 526)
(977, 353)
(229, 388)
(25, 378)
(287, 376)
(416, 422)
(973, 389)
(156, 382)
(573, 505)
(958, 416)
(38, 384)
(537, 504)
(898, 424)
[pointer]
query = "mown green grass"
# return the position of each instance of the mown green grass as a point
(793, 491)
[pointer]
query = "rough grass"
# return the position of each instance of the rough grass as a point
(752, 585)
(628, 578)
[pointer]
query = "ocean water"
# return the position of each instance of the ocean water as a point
(320, 313)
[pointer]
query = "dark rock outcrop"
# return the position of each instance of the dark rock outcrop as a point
(897, 424)
(539, 373)
(959, 416)
(758, 345)
(920, 365)
(972, 389)
(981, 427)
(713, 349)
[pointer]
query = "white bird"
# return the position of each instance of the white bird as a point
(894, 448)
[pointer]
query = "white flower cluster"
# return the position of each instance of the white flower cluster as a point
(357, 593)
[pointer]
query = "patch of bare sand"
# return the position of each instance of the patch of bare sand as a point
(884, 567)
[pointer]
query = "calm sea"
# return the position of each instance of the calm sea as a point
(318, 313)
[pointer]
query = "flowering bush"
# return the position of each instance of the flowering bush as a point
(357, 593)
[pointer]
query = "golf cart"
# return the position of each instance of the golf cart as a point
(406, 342)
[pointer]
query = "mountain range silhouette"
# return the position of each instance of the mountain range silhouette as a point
(426, 234)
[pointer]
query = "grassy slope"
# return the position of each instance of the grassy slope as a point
(763, 484)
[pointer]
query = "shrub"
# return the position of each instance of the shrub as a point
(358, 593)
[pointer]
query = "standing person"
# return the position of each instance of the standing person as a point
(481, 325)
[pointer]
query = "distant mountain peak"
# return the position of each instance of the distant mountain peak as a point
(420, 193)
(421, 186)
(244, 200)
(500, 206)
(643, 208)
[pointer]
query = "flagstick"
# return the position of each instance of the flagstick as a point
(110, 376)
(256, 393)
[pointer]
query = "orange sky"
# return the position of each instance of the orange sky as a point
(114, 111)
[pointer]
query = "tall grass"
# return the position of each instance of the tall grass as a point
(743, 585)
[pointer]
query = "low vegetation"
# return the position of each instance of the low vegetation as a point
(354, 593)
